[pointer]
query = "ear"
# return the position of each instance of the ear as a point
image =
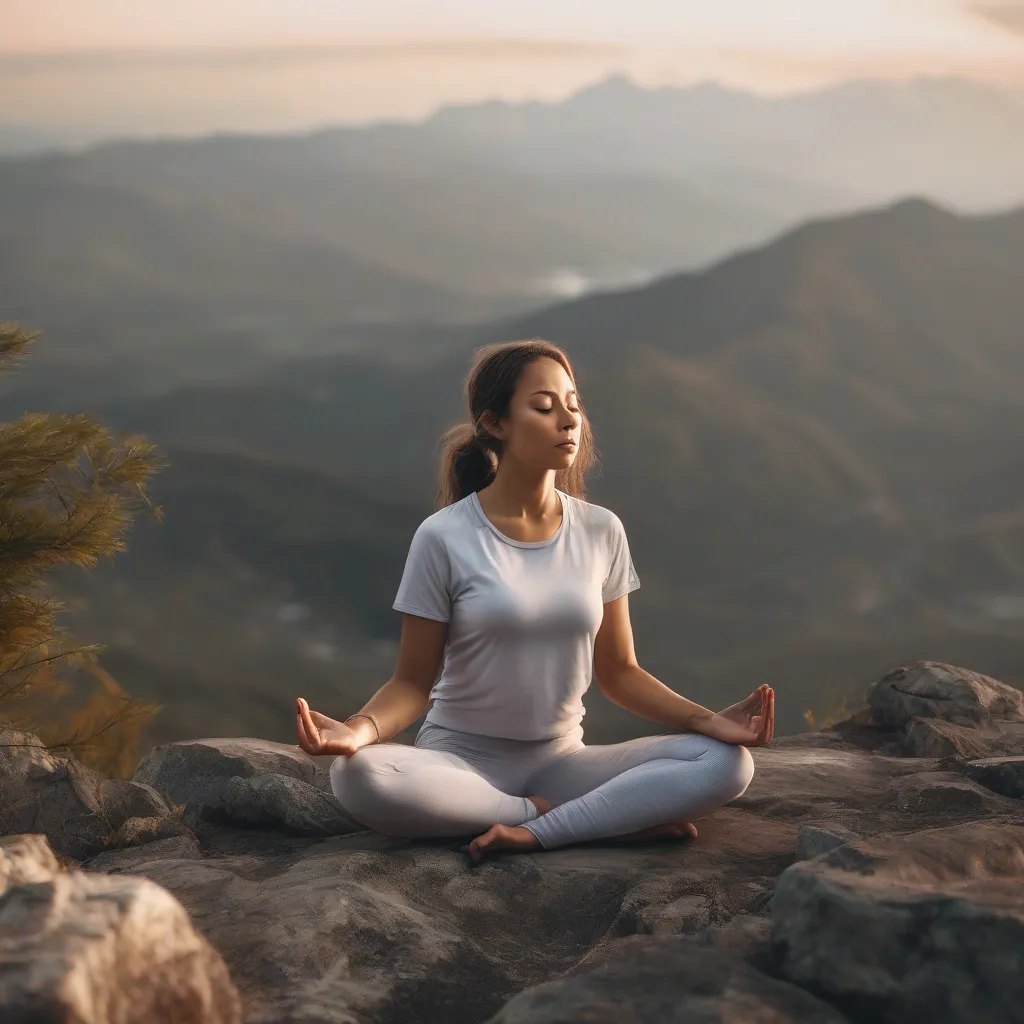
(492, 426)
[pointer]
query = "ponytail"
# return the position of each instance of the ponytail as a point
(466, 461)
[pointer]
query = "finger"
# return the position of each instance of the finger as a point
(757, 731)
(307, 720)
(766, 724)
(305, 741)
(312, 733)
(766, 709)
(771, 712)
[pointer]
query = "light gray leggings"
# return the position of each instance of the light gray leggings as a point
(458, 784)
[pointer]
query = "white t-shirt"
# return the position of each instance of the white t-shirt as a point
(522, 615)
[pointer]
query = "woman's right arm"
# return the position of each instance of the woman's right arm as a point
(395, 706)
(404, 697)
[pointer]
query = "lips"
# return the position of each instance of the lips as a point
(567, 444)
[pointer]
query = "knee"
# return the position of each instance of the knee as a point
(735, 767)
(354, 783)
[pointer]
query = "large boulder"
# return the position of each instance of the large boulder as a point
(927, 927)
(76, 808)
(929, 689)
(249, 781)
(91, 949)
(941, 710)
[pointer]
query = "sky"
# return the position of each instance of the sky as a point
(197, 65)
(952, 27)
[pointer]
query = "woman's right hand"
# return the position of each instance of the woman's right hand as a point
(319, 734)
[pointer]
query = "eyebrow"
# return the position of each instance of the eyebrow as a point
(554, 394)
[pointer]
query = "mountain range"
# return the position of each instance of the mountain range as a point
(175, 256)
(815, 446)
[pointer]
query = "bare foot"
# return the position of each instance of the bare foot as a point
(669, 830)
(502, 837)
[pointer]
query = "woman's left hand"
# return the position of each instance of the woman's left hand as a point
(750, 723)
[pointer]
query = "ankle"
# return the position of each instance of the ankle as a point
(542, 803)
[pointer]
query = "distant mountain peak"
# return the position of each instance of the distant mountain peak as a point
(619, 86)
(616, 84)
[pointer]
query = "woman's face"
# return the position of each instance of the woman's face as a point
(542, 417)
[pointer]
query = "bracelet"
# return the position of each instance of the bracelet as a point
(361, 714)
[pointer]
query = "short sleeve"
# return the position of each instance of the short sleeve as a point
(425, 587)
(621, 578)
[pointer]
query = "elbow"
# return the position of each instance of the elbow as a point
(610, 677)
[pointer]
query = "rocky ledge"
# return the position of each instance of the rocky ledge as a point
(873, 871)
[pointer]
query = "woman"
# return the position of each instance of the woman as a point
(517, 588)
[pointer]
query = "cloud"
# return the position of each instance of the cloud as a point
(1007, 15)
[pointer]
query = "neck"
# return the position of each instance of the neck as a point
(520, 492)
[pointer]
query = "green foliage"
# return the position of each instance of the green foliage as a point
(68, 492)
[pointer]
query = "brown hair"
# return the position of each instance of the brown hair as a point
(468, 454)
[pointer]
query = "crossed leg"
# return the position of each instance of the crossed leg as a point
(646, 788)
(635, 789)
(414, 792)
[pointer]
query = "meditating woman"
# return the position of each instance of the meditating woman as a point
(516, 589)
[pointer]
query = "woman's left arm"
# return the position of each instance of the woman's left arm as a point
(622, 680)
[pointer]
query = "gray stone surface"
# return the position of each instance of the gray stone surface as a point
(1003, 775)
(669, 983)
(283, 802)
(947, 793)
(813, 840)
(182, 847)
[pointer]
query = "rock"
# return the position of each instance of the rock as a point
(123, 800)
(925, 927)
(378, 930)
(931, 737)
(744, 935)
(183, 847)
(195, 773)
(281, 801)
(1003, 775)
(813, 840)
(137, 831)
(664, 982)
(942, 793)
(929, 689)
(686, 914)
(24, 860)
(364, 928)
(76, 808)
(92, 949)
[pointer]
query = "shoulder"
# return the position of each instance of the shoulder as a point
(597, 519)
(446, 524)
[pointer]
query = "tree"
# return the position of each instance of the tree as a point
(68, 492)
